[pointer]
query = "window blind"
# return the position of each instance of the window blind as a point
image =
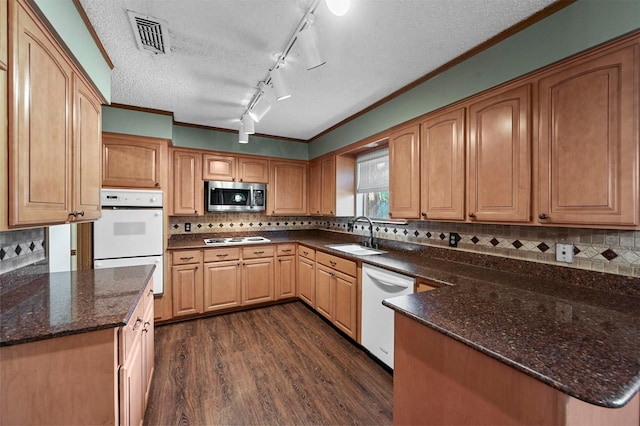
(373, 171)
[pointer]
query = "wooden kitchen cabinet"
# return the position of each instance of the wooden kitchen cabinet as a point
(222, 279)
(315, 187)
(54, 129)
(285, 285)
(287, 194)
(499, 168)
(336, 291)
(588, 141)
(442, 166)
(258, 275)
(130, 161)
(307, 275)
(332, 186)
(187, 188)
(235, 169)
(186, 282)
(404, 173)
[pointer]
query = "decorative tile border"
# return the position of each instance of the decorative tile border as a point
(612, 251)
(21, 248)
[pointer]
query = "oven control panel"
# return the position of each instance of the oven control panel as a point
(130, 198)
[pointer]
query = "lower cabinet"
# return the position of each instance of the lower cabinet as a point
(336, 291)
(222, 284)
(307, 275)
(285, 271)
(258, 277)
(186, 282)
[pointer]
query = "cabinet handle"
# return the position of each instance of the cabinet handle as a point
(81, 213)
(146, 323)
(137, 324)
(157, 183)
(543, 216)
(150, 291)
(74, 214)
(258, 252)
(472, 215)
(144, 330)
(186, 258)
(305, 253)
(332, 263)
(423, 214)
(286, 250)
(222, 255)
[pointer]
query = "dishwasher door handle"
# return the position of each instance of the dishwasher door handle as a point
(385, 281)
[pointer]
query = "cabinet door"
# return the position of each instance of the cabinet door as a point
(222, 285)
(186, 282)
(257, 281)
(148, 351)
(40, 138)
(285, 277)
(404, 173)
(328, 191)
(4, 56)
(188, 187)
(307, 281)
(131, 389)
(345, 305)
(588, 149)
(442, 166)
(499, 178)
(315, 187)
(253, 170)
(324, 279)
(132, 161)
(288, 188)
(87, 152)
(218, 167)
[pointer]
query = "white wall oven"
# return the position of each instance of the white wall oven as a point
(130, 232)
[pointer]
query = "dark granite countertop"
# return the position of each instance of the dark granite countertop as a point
(577, 331)
(42, 305)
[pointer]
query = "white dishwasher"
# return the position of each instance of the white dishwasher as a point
(377, 320)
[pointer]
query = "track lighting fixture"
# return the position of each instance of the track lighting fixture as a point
(242, 136)
(282, 91)
(247, 123)
(308, 39)
(259, 109)
(338, 7)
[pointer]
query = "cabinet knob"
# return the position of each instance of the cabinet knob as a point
(423, 214)
(472, 215)
(74, 214)
(543, 216)
(157, 183)
(81, 213)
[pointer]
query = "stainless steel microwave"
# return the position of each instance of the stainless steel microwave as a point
(235, 196)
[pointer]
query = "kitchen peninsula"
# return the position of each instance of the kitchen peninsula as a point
(76, 347)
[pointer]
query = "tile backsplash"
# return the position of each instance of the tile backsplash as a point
(602, 250)
(21, 248)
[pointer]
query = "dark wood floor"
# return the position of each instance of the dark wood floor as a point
(276, 365)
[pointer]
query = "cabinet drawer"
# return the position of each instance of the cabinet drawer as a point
(130, 333)
(217, 255)
(307, 252)
(339, 264)
(258, 251)
(286, 249)
(186, 257)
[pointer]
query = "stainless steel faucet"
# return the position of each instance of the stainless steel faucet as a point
(371, 242)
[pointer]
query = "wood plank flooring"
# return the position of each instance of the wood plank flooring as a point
(276, 365)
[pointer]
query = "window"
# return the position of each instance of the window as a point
(372, 189)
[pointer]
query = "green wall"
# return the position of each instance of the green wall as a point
(64, 17)
(139, 123)
(577, 27)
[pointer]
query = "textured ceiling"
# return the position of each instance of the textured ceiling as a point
(221, 49)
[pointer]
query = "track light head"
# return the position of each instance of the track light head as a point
(247, 123)
(308, 39)
(282, 91)
(338, 7)
(260, 109)
(242, 136)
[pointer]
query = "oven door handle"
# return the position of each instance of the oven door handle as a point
(251, 203)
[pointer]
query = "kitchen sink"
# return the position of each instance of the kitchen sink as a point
(356, 249)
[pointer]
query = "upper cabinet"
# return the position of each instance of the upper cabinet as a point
(287, 191)
(404, 173)
(235, 169)
(499, 169)
(187, 185)
(442, 166)
(589, 141)
(133, 161)
(54, 131)
(332, 186)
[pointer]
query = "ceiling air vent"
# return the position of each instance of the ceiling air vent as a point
(151, 34)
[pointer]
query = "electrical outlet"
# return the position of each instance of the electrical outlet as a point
(187, 227)
(564, 253)
(453, 239)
